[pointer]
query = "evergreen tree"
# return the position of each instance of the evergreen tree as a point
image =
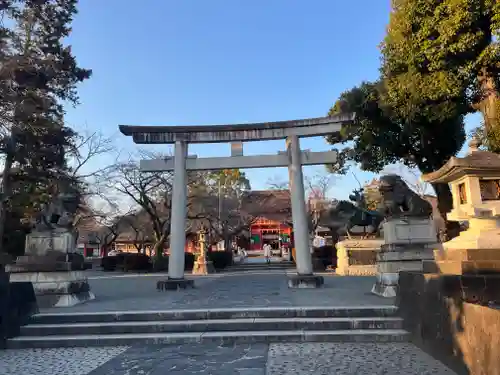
(382, 136)
(441, 59)
(38, 73)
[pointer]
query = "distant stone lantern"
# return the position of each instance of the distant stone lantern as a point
(202, 265)
(475, 186)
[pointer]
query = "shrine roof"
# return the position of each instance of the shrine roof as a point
(145, 134)
(479, 163)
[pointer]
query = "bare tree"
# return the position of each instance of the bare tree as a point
(88, 147)
(275, 183)
(104, 221)
(150, 192)
(140, 229)
(239, 210)
(317, 189)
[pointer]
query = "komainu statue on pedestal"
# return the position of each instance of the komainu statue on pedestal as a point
(398, 200)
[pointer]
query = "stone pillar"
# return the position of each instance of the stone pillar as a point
(303, 257)
(179, 207)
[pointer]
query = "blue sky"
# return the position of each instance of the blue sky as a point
(190, 62)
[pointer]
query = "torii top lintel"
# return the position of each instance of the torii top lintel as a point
(237, 132)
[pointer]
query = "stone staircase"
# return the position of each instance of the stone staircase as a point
(235, 325)
(274, 266)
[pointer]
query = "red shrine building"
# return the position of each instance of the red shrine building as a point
(273, 222)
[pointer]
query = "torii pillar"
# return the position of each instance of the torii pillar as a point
(303, 257)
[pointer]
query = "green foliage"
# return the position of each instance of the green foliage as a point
(440, 59)
(380, 137)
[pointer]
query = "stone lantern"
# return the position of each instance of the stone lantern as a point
(475, 186)
(202, 266)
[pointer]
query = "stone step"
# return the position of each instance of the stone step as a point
(361, 335)
(263, 265)
(249, 270)
(226, 313)
(212, 325)
(259, 268)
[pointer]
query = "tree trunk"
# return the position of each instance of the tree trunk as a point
(5, 195)
(489, 103)
(158, 247)
(445, 205)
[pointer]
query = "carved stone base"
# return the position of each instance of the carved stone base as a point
(174, 284)
(305, 281)
(203, 267)
(57, 289)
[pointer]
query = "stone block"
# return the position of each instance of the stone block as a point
(409, 231)
(464, 261)
(21, 305)
(448, 316)
(385, 290)
(57, 289)
(305, 281)
(174, 284)
(467, 254)
(39, 243)
(389, 263)
(408, 254)
(357, 257)
(395, 267)
(38, 264)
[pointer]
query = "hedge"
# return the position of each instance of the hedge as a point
(141, 262)
(136, 262)
(220, 259)
(126, 262)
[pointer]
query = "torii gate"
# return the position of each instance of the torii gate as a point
(236, 134)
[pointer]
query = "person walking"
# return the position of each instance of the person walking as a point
(267, 253)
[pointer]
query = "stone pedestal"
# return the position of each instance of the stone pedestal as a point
(358, 257)
(474, 251)
(47, 265)
(407, 243)
(203, 267)
(57, 289)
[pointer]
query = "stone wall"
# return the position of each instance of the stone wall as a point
(357, 257)
(439, 313)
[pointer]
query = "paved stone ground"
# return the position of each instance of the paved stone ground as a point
(211, 359)
(138, 292)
